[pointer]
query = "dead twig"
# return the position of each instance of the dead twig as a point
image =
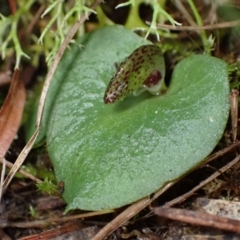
(197, 28)
(213, 176)
(198, 218)
(234, 112)
(128, 213)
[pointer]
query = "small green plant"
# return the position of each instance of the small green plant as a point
(47, 187)
(62, 16)
(8, 32)
(126, 150)
(158, 15)
(60, 13)
(32, 211)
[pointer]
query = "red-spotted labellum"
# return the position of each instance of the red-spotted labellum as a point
(142, 70)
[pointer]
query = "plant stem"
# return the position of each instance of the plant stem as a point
(199, 23)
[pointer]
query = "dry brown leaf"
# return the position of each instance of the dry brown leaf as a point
(11, 113)
(5, 78)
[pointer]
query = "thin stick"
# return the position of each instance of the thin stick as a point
(197, 28)
(23, 172)
(35, 19)
(128, 213)
(45, 222)
(199, 23)
(234, 112)
(213, 176)
(198, 218)
(185, 13)
(220, 153)
(2, 178)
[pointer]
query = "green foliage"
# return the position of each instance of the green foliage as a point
(8, 34)
(158, 15)
(112, 155)
(32, 211)
(60, 13)
(62, 16)
(47, 187)
(199, 22)
(234, 68)
(158, 11)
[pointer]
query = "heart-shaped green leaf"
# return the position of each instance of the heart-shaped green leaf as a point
(112, 155)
